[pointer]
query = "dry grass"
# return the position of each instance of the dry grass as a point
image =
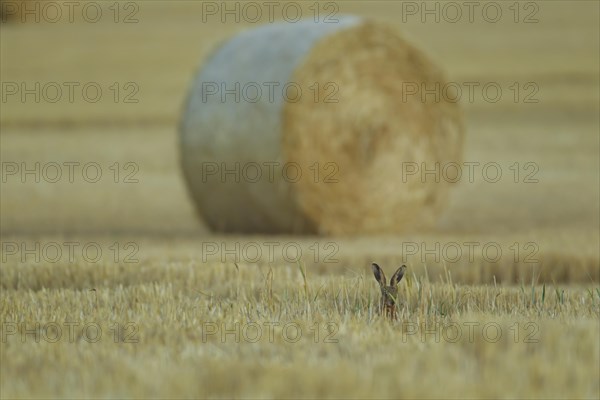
(444, 345)
(170, 293)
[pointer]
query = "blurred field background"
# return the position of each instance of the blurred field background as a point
(160, 54)
(162, 50)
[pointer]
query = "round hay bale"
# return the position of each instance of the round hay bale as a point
(350, 134)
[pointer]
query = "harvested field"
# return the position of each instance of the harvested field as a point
(501, 297)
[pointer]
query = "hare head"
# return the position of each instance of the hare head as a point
(389, 294)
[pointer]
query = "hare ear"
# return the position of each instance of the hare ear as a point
(397, 277)
(379, 275)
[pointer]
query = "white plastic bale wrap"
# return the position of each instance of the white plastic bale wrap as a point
(363, 137)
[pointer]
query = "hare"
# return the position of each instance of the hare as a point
(389, 294)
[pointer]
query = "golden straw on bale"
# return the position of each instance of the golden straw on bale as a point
(333, 160)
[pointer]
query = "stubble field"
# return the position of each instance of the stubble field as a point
(114, 289)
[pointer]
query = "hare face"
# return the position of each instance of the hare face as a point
(389, 294)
